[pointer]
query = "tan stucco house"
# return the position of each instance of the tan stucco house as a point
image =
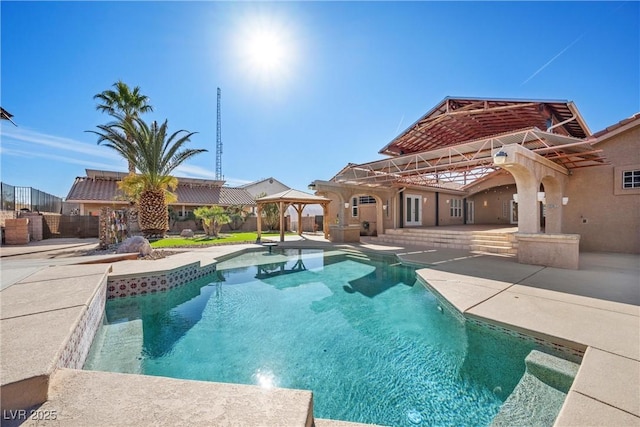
(529, 167)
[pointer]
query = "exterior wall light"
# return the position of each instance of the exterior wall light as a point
(500, 158)
(515, 197)
(384, 207)
(346, 205)
(565, 200)
(541, 196)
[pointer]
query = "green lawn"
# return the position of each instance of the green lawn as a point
(177, 242)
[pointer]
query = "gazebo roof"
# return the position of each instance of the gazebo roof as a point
(294, 196)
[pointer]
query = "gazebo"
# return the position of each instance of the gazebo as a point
(297, 199)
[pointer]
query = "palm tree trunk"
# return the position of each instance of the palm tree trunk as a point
(131, 164)
(152, 215)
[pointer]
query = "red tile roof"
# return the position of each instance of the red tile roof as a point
(616, 126)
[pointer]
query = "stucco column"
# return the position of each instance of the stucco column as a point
(325, 220)
(529, 169)
(342, 218)
(380, 217)
(528, 207)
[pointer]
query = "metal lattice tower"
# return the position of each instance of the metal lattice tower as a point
(219, 143)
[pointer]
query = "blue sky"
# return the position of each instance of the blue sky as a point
(333, 83)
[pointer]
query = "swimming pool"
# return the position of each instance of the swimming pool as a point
(372, 344)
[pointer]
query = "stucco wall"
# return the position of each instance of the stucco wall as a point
(366, 212)
(606, 221)
(492, 206)
(445, 210)
(428, 213)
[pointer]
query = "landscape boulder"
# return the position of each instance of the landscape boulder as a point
(135, 244)
(187, 232)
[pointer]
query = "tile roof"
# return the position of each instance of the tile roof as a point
(86, 189)
(602, 134)
(202, 195)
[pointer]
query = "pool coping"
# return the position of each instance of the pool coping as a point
(617, 397)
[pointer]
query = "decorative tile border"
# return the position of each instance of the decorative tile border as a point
(448, 306)
(159, 282)
(77, 347)
(573, 354)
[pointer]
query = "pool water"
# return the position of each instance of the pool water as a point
(372, 344)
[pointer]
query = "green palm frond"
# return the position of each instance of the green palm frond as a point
(123, 100)
(154, 154)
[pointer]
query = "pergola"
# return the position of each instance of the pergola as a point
(458, 165)
(298, 200)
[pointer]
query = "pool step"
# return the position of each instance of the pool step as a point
(538, 397)
(127, 337)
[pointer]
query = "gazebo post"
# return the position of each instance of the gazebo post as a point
(259, 213)
(299, 209)
(281, 221)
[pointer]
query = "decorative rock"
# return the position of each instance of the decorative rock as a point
(135, 244)
(187, 232)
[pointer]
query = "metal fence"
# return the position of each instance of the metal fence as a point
(28, 198)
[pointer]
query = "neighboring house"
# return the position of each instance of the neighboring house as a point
(100, 188)
(533, 164)
(266, 186)
(270, 186)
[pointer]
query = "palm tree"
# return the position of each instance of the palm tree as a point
(156, 156)
(213, 218)
(123, 102)
(270, 213)
(237, 216)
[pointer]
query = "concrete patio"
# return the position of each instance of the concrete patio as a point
(595, 309)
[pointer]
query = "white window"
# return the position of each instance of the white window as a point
(366, 200)
(631, 179)
(354, 207)
(456, 208)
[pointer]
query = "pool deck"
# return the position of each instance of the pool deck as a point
(43, 296)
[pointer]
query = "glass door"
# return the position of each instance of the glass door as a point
(471, 219)
(413, 210)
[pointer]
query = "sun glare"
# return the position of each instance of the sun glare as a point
(266, 49)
